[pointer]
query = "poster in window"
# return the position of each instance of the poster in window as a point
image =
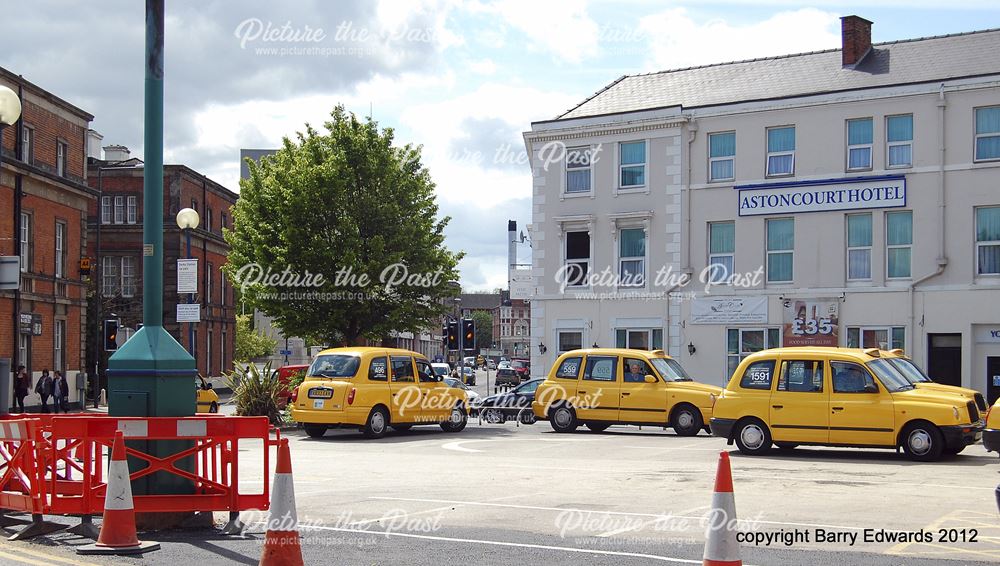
(810, 322)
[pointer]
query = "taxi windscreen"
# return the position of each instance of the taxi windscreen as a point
(335, 365)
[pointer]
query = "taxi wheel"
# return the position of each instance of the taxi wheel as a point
(563, 419)
(686, 420)
(314, 430)
(213, 408)
(753, 438)
(456, 420)
(922, 442)
(597, 427)
(377, 424)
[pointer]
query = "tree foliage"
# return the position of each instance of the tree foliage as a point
(484, 329)
(251, 344)
(348, 205)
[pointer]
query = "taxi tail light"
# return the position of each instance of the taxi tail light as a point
(350, 396)
(295, 395)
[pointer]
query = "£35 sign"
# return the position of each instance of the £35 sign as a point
(810, 322)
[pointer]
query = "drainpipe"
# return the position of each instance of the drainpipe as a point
(18, 194)
(942, 258)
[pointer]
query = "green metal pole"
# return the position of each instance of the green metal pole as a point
(152, 374)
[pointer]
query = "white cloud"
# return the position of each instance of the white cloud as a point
(677, 40)
(561, 27)
(482, 67)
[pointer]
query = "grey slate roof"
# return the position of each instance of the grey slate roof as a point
(894, 63)
(479, 301)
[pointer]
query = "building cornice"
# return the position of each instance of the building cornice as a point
(605, 129)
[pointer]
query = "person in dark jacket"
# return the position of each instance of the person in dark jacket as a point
(60, 393)
(44, 389)
(22, 385)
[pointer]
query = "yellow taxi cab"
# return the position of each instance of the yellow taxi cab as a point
(207, 400)
(604, 386)
(991, 434)
(912, 372)
(374, 389)
(839, 397)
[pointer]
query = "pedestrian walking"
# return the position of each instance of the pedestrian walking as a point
(44, 389)
(60, 393)
(22, 384)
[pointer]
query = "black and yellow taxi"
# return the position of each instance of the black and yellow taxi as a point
(839, 397)
(601, 387)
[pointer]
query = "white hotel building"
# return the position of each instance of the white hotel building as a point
(853, 193)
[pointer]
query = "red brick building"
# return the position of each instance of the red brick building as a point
(115, 226)
(44, 198)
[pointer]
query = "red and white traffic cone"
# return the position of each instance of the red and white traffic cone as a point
(721, 547)
(281, 543)
(118, 529)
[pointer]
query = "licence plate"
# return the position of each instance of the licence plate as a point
(321, 393)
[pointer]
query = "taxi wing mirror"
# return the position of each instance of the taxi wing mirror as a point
(650, 379)
(871, 388)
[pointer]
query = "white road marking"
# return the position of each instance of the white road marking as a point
(457, 445)
(626, 513)
(515, 544)
(645, 524)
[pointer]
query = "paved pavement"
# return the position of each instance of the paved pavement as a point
(501, 494)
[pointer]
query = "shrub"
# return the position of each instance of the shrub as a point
(255, 392)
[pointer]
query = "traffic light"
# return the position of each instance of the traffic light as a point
(453, 335)
(110, 335)
(468, 334)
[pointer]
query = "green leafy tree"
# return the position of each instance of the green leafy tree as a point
(349, 206)
(250, 343)
(484, 329)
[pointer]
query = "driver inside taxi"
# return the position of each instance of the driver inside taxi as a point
(634, 373)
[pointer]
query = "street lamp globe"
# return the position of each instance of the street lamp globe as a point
(10, 107)
(187, 219)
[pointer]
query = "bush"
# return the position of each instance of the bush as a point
(255, 392)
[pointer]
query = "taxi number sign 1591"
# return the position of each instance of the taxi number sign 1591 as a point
(320, 393)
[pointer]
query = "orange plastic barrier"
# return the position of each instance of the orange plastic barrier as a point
(53, 464)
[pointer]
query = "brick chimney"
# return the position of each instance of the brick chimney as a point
(856, 36)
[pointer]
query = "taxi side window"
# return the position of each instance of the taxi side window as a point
(424, 372)
(852, 378)
(402, 369)
(804, 376)
(636, 370)
(378, 370)
(758, 375)
(569, 368)
(601, 368)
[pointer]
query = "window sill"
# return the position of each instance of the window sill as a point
(898, 167)
(565, 196)
(720, 181)
(864, 170)
(779, 175)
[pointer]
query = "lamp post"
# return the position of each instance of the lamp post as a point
(10, 113)
(187, 220)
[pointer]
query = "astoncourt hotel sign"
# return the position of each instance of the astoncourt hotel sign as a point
(821, 196)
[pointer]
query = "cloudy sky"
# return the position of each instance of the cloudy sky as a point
(461, 78)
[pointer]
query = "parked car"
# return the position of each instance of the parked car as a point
(839, 397)
(504, 364)
(468, 375)
(507, 377)
(916, 376)
(475, 400)
(522, 367)
(491, 364)
(207, 400)
(511, 405)
(604, 386)
(373, 389)
(442, 369)
(991, 434)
